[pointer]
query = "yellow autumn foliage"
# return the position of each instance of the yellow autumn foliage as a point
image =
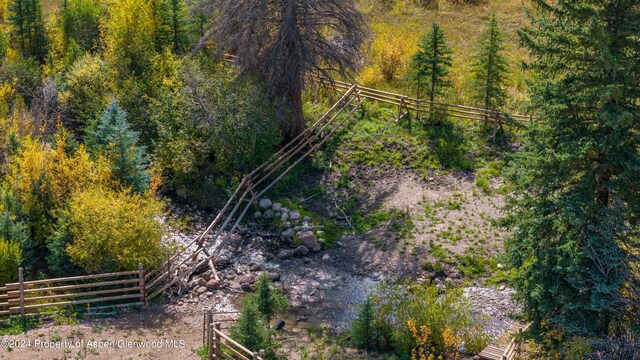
(114, 231)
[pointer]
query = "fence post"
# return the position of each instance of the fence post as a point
(143, 291)
(218, 342)
(21, 280)
(209, 335)
(262, 354)
(255, 356)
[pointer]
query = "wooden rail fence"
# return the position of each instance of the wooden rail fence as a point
(118, 289)
(221, 346)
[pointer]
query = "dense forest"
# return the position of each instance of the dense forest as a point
(115, 113)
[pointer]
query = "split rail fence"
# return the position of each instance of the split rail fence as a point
(111, 290)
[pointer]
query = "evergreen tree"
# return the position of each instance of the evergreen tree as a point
(81, 23)
(114, 138)
(268, 299)
(576, 203)
(28, 28)
(490, 68)
(430, 66)
(364, 332)
(251, 330)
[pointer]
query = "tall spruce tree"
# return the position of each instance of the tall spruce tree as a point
(577, 199)
(114, 139)
(28, 28)
(430, 66)
(490, 68)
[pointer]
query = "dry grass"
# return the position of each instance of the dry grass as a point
(402, 26)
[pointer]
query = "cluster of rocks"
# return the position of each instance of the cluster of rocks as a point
(299, 230)
(239, 278)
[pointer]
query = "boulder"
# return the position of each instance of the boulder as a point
(284, 217)
(273, 276)
(310, 240)
(265, 203)
(295, 215)
(213, 284)
(301, 250)
(246, 279)
(276, 206)
(285, 254)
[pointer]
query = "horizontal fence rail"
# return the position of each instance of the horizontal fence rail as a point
(105, 290)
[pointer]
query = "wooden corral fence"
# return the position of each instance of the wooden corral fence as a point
(110, 290)
(203, 250)
(220, 346)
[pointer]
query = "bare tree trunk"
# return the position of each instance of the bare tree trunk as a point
(298, 124)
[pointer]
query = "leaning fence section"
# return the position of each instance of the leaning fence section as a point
(27, 298)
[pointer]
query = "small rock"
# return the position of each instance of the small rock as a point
(213, 284)
(502, 287)
(257, 215)
(321, 241)
(202, 282)
(207, 276)
(500, 266)
(246, 279)
(277, 215)
(276, 206)
(294, 215)
(301, 250)
(438, 282)
(273, 276)
(286, 224)
(288, 234)
(265, 203)
(284, 217)
(245, 287)
(242, 231)
(285, 210)
(326, 257)
(256, 267)
(285, 254)
(306, 219)
(268, 214)
(202, 290)
(310, 240)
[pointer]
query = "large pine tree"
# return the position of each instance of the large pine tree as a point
(577, 199)
(430, 66)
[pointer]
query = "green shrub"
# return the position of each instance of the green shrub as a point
(403, 313)
(267, 299)
(252, 331)
(10, 259)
